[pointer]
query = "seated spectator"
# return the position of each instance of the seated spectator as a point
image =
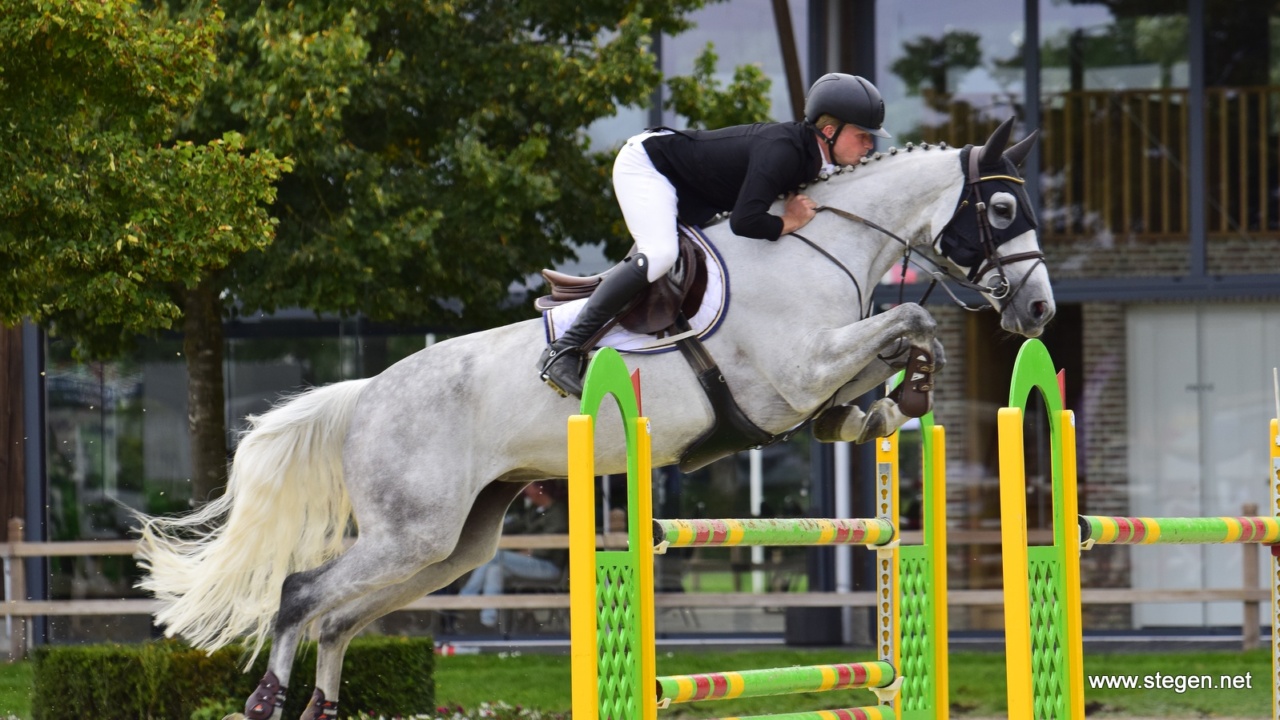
(546, 513)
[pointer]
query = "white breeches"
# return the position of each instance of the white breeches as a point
(648, 202)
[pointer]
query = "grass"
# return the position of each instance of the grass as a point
(15, 690)
(977, 683)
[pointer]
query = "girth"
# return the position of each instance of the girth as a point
(731, 430)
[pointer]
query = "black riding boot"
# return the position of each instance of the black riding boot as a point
(564, 361)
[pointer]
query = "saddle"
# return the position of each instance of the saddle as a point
(655, 310)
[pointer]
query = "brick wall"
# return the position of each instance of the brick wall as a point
(1102, 420)
(1102, 423)
(949, 385)
(1109, 256)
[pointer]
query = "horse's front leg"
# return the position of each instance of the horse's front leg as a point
(871, 351)
(878, 373)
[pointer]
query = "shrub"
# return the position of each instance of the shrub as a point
(168, 680)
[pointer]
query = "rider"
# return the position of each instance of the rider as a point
(663, 175)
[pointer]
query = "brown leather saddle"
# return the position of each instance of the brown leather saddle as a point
(664, 310)
(655, 310)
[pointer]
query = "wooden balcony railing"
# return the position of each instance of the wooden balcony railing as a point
(1117, 161)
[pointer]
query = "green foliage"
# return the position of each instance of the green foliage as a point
(699, 99)
(1159, 39)
(436, 152)
(103, 217)
(926, 61)
(440, 152)
(170, 681)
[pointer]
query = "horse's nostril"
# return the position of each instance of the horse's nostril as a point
(1039, 308)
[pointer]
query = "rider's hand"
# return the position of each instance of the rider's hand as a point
(797, 213)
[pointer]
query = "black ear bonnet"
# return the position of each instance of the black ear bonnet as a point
(962, 241)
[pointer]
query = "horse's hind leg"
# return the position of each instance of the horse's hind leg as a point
(476, 546)
(381, 557)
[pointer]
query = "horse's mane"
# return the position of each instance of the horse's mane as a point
(867, 165)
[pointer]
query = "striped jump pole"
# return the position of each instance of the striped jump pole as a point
(774, 681)
(880, 712)
(1100, 530)
(771, 532)
(1275, 572)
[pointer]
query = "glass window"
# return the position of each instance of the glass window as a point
(949, 72)
(1115, 145)
(1242, 141)
(744, 33)
(117, 440)
(952, 72)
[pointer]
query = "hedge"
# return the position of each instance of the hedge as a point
(168, 680)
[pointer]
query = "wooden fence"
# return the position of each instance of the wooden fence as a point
(18, 612)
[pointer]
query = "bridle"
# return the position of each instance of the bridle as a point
(992, 259)
(941, 275)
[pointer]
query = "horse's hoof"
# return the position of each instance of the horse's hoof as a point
(826, 428)
(877, 422)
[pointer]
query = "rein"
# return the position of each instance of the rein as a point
(940, 274)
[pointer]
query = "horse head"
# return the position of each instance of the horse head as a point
(991, 234)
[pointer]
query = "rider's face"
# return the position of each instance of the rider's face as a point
(852, 145)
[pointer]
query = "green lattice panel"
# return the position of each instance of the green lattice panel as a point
(915, 616)
(616, 615)
(1048, 623)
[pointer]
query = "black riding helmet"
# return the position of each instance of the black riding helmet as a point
(848, 98)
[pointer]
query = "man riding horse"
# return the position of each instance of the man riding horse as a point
(661, 175)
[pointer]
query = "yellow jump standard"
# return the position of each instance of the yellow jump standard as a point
(1043, 634)
(611, 593)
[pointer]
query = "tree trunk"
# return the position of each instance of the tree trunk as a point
(202, 344)
(12, 473)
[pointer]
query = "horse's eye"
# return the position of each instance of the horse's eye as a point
(1001, 210)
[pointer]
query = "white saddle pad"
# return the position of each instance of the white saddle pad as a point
(705, 322)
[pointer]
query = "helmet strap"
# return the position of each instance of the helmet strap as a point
(831, 142)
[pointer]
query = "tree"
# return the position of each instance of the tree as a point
(926, 61)
(437, 160)
(439, 147)
(109, 225)
(699, 98)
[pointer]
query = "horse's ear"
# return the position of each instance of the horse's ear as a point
(1022, 149)
(994, 146)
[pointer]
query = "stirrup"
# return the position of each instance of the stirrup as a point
(550, 357)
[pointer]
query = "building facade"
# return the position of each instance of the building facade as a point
(1158, 185)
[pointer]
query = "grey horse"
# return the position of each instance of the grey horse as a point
(426, 457)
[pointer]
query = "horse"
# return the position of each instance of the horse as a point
(426, 457)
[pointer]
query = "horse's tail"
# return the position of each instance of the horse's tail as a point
(217, 572)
